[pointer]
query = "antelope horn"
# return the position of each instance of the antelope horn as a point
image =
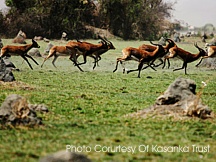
(195, 44)
(154, 43)
(107, 40)
(170, 40)
(102, 39)
(78, 40)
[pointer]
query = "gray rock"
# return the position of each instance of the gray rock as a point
(49, 46)
(34, 52)
(38, 107)
(1, 44)
(15, 110)
(6, 74)
(179, 90)
(179, 101)
(20, 38)
(8, 63)
(63, 156)
(209, 63)
(162, 41)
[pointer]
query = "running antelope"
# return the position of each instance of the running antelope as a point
(20, 51)
(139, 55)
(185, 56)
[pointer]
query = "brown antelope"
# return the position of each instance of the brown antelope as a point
(57, 51)
(151, 48)
(98, 53)
(20, 51)
(87, 49)
(211, 52)
(77, 53)
(185, 56)
(139, 55)
(102, 51)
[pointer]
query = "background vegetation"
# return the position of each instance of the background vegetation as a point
(89, 109)
(129, 19)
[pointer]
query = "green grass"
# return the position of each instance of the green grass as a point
(89, 108)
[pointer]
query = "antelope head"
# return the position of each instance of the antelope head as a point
(110, 45)
(34, 44)
(160, 47)
(202, 52)
(171, 42)
(104, 42)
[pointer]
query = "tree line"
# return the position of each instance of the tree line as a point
(128, 19)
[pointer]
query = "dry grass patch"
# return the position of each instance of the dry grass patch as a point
(16, 85)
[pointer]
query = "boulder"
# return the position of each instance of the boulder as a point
(9, 64)
(209, 63)
(16, 110)
(162, 41)
(20, 38)
(46, 40)
(180, 90)
(49, 46)
(6, 74)
(34, 52)
(64, 36)
(179, 100)
(1, 44)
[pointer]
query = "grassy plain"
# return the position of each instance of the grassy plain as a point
(88, 109)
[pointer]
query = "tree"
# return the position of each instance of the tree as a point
(49, 17)
(2, 27)
(132, 19)
(209, 28)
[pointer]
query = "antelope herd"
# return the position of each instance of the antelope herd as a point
(144, 54)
